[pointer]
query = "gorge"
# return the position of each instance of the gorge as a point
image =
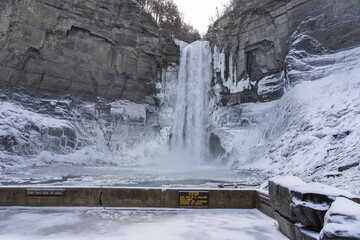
(96, 89)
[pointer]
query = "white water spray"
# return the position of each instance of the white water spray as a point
(191, 113)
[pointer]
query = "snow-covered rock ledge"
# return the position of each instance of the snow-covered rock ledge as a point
(304, 209)
(342, 220)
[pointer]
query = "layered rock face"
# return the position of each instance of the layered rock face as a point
(111, 49)
(111, 54)
(254, 39)
(283, 72)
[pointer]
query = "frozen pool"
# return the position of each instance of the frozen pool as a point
(69, 175)
(100, 223)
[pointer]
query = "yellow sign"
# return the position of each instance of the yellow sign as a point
(195, 199)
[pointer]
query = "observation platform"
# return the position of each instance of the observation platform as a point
(135, 197)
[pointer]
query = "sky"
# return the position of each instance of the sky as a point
(198, 12)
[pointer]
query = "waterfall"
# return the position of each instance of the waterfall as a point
(190, 134)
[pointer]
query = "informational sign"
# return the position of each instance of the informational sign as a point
(45, 192)
(193, 199)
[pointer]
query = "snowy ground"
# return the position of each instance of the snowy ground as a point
(133, 224)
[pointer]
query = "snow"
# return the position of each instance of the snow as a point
(311, 205)
(14, 115)
(107, 224)
(312, 130)
(344, 206)
(342, 219)
(130, 111)
(287, 181)
(321, 189)
(40, 131)
(180, 43)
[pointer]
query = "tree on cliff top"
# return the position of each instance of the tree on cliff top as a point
(168, 17)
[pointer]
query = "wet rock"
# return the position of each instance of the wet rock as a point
(271, 88)
(54, 144)
(342, 221)
(341, 135)
(56, 132)
(216, 149)
(349, 166)
(70, 134)
(7, 142)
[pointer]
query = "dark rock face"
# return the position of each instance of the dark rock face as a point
(111, 49)
(256, 38)
(215, 147)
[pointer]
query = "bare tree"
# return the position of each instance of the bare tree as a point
(168, 17)
(228, 7)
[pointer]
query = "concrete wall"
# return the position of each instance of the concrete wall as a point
(74, 197)
(262, 202)
(127, 197)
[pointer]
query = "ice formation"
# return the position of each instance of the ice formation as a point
(311, 132)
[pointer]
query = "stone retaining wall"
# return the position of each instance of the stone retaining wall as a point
(124, 197)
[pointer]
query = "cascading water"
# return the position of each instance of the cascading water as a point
(191, 113)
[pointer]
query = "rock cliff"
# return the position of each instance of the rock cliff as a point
(83, 80)
(285, 89)
(112, 49)
(251, 43)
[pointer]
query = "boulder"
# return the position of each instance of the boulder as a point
(279, 191)
(310, 203)
(300, 207)
(295, 231)
(342, 221)
(286, 227)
